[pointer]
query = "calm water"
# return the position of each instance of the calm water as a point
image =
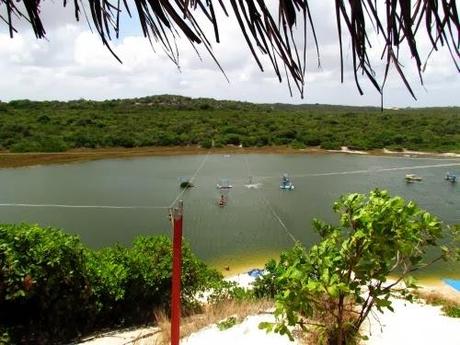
(247, 228)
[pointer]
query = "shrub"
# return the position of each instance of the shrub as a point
(451, 310)
(227, 323)
(40, 144)
(341, 279)
(44, 287)
(297, 145)
(53, 288)
(327, 144)
(206, 143)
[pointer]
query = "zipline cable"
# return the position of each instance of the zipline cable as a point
(191, 179)
(278, 218)
(367, 171)
(84, 206)
(272, 210)
(117, 207)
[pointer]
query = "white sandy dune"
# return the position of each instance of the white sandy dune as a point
(417, 324)
(245, 333)
(409, 324)
(414, 324)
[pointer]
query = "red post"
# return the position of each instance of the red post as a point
(177, 215)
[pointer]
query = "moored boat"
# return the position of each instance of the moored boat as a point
(224, 184)
(412, 178)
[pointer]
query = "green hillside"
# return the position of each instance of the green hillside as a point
(166, 120)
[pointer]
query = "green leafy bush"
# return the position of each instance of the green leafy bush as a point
(337, 283)
(451, 310)
(43, 281)
(227, 323)
(53, 288)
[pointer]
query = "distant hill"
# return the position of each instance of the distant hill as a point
(166, 120)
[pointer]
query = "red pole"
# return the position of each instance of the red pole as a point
(177, 214)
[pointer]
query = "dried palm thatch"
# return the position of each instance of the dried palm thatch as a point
(162, 21)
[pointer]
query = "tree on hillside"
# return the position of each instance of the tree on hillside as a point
(401, 23)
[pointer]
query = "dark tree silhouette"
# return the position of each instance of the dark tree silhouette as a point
(162, 21)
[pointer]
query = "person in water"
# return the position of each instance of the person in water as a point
(222, 200)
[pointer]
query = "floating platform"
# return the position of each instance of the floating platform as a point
(286, 183)
(451, 177)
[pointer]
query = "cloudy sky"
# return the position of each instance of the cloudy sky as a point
(72, 63)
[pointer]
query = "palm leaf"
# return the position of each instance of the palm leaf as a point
(162, 21)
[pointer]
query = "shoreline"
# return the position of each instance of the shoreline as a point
(428, 285)
(16, 160)
(429, 281)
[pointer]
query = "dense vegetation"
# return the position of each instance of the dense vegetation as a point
(27, 126)
(53, 288)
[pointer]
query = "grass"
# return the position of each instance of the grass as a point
(449, 306)
(224, 314)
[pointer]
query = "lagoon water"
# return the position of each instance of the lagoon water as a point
(255, 224)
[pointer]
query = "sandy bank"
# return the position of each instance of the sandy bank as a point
(415, 323)
(412, 324)
(139, 336)
(409, 324)
(9, 160)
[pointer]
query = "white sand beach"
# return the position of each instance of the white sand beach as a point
(410, 323)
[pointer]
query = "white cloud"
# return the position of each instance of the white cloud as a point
(73, 63)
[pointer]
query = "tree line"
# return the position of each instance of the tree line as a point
(52, 126)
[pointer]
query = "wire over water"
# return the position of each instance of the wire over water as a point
(116, 207)
(272, 210)
(84, 206)
(352, 172)
(191, 179)
(278, 218)
(367, 171)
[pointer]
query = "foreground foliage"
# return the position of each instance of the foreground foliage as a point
(52, 287)
(27, 126)
(333, 287)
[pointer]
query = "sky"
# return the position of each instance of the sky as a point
(72, 63)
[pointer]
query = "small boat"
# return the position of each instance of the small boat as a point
(286, 183)
(412, 178)
(224, 184)
(451, 177)
(186, 184)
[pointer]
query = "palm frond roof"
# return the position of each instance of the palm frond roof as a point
(271, 34)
